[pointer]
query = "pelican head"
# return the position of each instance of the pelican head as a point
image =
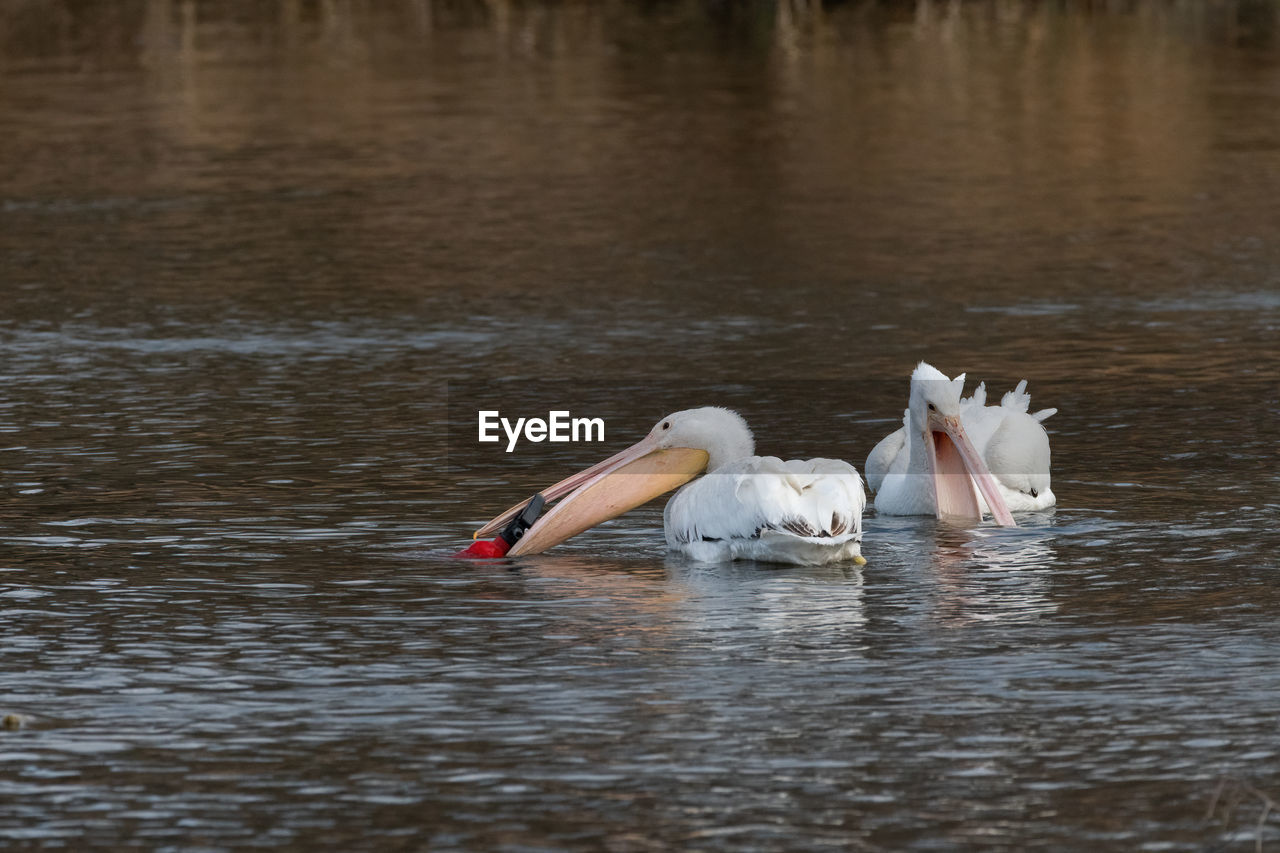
(722, 433)
(932, 393)
(957, 472)
(679, 447)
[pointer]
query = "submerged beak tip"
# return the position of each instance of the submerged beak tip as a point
(860, 560)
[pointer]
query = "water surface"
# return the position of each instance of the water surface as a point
(260, 262)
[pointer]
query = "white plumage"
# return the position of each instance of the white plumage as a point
(1011, 442)
(806, 512)
(1014, 445)
(744, 506)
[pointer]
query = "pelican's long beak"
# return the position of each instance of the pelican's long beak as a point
(606, 490)
(957, 469)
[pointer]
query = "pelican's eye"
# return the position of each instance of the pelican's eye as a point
(932, 408)
(666, 425)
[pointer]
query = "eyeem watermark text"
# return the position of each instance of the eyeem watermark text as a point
(559, 426)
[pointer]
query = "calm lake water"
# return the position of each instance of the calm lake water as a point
(261, 262)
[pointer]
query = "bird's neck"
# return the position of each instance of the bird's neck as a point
(917, 458)
(730, 450)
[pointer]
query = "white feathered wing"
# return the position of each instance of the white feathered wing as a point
(805, 512)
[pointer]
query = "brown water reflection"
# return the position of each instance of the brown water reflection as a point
(260, 262)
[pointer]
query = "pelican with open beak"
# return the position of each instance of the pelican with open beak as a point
(941, 461)
(746, 506)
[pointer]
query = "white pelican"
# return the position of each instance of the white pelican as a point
(948, 446)
(749, 507)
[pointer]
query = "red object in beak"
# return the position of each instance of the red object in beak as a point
(484, 549)
(493, 549)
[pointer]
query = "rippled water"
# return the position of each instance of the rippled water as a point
(256, 259)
